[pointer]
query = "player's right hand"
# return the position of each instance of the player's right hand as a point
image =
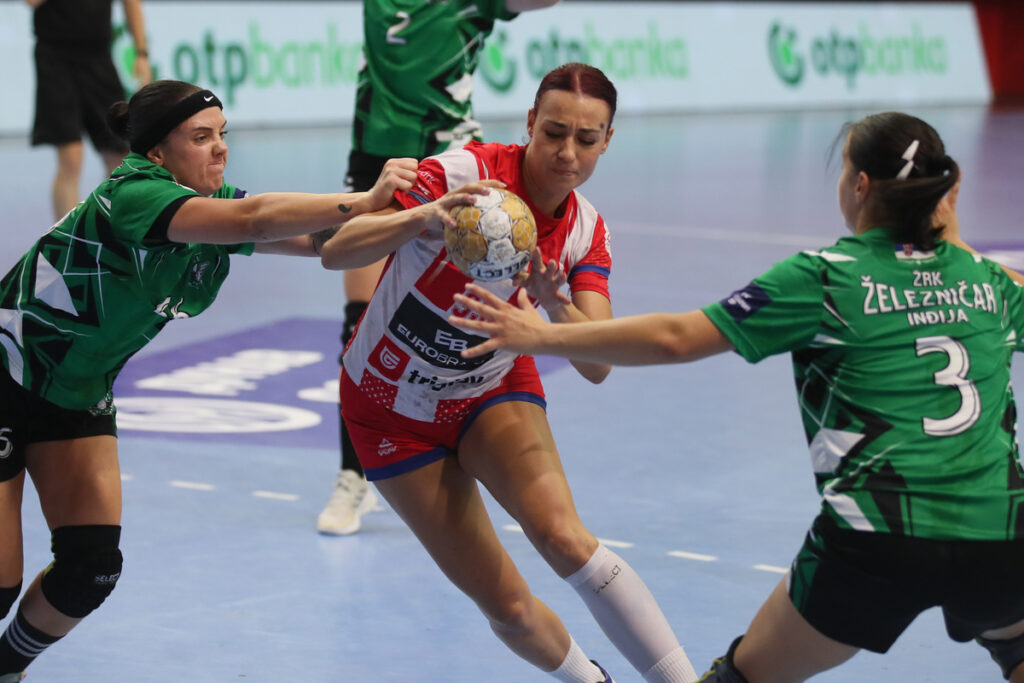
(397, 174)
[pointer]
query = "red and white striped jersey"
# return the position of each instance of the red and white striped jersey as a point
(405, 355)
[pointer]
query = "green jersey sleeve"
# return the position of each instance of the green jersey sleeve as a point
(779, 311)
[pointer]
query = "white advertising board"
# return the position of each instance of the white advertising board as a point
(288, 63)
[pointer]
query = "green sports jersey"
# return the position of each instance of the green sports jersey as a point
(902, 364)
(102, 283)
(413, 94)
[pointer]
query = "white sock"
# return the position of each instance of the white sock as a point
(576, 668)
(628, 614)
(675, 666)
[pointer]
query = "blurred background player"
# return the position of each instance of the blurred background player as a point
(76, 82)
(413, 100)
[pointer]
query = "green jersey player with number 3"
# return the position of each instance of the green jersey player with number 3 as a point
(901, 338)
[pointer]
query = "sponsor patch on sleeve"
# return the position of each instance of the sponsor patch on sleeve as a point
(745, 302)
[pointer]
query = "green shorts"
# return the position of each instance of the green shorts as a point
(863, 589)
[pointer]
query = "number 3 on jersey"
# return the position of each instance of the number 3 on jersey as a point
(953, 375)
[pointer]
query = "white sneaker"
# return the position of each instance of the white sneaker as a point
(352, 498)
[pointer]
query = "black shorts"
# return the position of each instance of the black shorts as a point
(74, 90)
(363, 170)
(25, 419)
(863, 589)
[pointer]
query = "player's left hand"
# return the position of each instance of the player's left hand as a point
(512, 327)
(544, 282)
(397, 174)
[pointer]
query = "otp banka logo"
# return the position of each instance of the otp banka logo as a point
(853, 56)
(496, 66)
(782, 51)
(6, 447)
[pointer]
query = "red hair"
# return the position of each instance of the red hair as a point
(582, 79)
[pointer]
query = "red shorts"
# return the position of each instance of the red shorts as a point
(389, 444)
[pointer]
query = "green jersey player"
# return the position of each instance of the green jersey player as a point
(901, 340)
(413, 99)
(149, 245)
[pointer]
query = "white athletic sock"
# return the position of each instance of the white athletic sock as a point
(628, 614)
(675, 666)
(576, 668)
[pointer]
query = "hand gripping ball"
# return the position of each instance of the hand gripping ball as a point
(492, 240)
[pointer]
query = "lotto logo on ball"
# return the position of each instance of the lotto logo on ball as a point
(492, 240)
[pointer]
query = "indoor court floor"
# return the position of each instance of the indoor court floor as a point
(697, 475)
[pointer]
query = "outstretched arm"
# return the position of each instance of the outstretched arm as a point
(651, 339)
(369, 238)
(544, 284)
(275, 216)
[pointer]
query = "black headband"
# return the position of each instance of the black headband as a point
(144, 140)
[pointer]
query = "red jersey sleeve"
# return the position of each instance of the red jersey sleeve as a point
(430, 185)
(592, 271)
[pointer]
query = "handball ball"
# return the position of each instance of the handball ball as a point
(492, 240)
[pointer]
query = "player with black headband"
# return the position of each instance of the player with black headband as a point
(149, 245)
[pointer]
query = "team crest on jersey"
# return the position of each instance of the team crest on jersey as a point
(389, 360)
(745, 302)
(198, 272)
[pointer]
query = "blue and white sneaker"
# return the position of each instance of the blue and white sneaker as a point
(607, 676)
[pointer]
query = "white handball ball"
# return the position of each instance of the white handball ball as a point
(492, 240)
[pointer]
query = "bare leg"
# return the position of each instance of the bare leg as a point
(11, 558)
(781, 647)
(79, 483)
(360, 282)
(1014, 631)
(111, 160)
(67, 178)
(443, 507)
(510, 449)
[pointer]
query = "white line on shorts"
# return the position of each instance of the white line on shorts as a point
(275, 496)
(692, 556)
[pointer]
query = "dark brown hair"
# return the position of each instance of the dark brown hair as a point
(877, 145)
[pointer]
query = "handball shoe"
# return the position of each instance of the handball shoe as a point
(607, 676)
(351, 499)
(12, 678)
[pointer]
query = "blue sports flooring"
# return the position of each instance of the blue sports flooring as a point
(697, 475)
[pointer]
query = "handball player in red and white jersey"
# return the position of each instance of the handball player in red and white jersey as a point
(428, 424)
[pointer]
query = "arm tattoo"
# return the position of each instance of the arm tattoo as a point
(321, 237)
(343, 208)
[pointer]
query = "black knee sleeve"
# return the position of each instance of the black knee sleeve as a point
(723, 670)
(1008, 654)
(86, 565)
(353, 312)
(8, 596)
